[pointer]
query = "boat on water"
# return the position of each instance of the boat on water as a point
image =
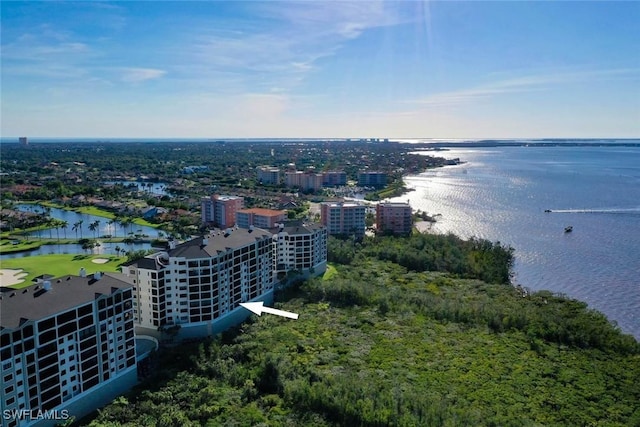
(568, 229)
(547, 210)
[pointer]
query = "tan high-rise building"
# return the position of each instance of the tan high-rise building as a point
(394, 218)
(343, 218)
(220, 210)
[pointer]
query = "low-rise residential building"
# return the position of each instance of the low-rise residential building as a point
(259, 217)
(343, 218)
(394, 218)
(67, 346)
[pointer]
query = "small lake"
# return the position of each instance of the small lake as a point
(105, 227)
(153, 188)
(104, 248)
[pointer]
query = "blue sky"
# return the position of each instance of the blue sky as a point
(397, 69)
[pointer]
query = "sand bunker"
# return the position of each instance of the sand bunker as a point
(11, 277)
(100, 260)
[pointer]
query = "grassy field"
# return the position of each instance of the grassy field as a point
(6, 246)
(330, 272)
(60, 265)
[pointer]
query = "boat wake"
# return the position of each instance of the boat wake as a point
(628, 211)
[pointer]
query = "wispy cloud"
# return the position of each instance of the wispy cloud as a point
(530, 83)
(138, 75)
(299, 35)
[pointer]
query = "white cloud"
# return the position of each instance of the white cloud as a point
(283, 51)
(138, 75)
(522, 84)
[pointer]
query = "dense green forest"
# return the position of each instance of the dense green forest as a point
(404, 332)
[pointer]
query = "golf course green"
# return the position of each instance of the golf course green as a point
(60, 265)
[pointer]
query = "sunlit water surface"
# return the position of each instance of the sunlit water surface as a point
(502, 193)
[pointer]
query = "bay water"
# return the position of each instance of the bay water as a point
(501, 194)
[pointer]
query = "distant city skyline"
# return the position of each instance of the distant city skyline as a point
(397, 69)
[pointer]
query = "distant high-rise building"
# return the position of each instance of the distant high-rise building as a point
(23, 140)
(343, 218)
(220, 210)
(304, 180)
(67, 346)
(372, 179)
(334, 178)
(394, 218)
(259, 217)
(268, 175)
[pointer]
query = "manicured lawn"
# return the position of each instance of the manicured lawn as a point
(60, 265)
(6, 247)
(330, 272)
(92, 210)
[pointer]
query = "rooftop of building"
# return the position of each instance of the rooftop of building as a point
(226, 197)
(298, 227)
(35, 302)
(343, 204)
(262, 211)
(222, 197)
(394, 204)
(218, 241)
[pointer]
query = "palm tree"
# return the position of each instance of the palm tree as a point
(124, 223)
(117, 248)
(111, 224)
(94, 226)
(64, 225)
(80, 227)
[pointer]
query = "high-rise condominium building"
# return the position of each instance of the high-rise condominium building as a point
(67, 347)
(372, 179)
(343, 218)
(220, 210)
(304, 180)
(334, 178)
(300, 247)
(394, 218)
(200, 283)
(268, 175)
(259, 217)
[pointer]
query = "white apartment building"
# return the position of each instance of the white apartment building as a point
(200, 283)
(67, 346)
(300, 247)
(268, 175)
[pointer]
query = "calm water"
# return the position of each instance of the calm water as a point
(501, 194)
(156, 188)
(104, 226)
(104, 248)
